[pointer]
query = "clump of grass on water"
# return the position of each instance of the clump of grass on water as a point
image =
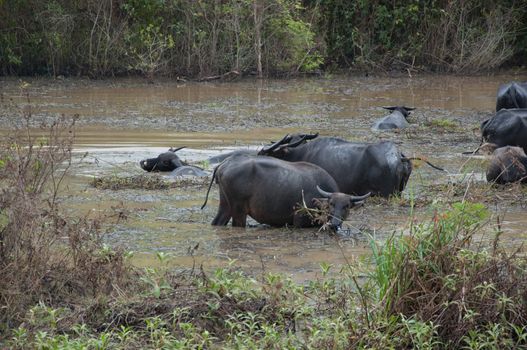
(147, 182)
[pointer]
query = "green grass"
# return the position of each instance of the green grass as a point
(444, 123)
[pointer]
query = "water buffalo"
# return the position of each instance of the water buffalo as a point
(512, 95)
(357, 168)
(395, 120)
(166, 161)
(508, 164)
(507, 128)
(270, 190)
(221, 157)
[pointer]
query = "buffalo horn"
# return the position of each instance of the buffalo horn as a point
(177, 149)
(276, 144)
(310, 136)
(359, 198)
(294, 144)
(323, 193)
(409, 108)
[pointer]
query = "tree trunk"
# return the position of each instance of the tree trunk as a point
(258, 17)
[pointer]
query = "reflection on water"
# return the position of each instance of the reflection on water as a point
(125, 120)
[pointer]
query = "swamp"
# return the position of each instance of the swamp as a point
(204, 286)
(96, 253)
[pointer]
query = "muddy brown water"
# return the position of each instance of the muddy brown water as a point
(122, 121)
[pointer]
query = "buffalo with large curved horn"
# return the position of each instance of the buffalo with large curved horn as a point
(340, 203)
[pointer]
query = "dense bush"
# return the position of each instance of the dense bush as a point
(203, 39)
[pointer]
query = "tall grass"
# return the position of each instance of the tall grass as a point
(437, 276)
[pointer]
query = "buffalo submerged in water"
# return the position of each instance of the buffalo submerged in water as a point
(170, 162)
(270, 191)
(395, 120)
(221, 157)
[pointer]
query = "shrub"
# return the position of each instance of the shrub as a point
(46, 256)
(436, 277)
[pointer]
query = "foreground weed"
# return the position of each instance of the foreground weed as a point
(156, 278)
(44, 317)
(227, 282)
(423, 335)
(19, 338)
(329, 333)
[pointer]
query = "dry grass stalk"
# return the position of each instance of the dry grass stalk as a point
(44, 254)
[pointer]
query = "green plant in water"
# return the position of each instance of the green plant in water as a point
(205, 164)
(444, 123)
(425, 240)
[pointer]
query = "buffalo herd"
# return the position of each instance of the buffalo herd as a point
(271, 185)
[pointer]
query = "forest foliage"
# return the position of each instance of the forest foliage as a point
(198, 38)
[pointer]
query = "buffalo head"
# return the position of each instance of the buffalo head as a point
(280, 148)
(340, 205)
(167, 161)
(405, 111)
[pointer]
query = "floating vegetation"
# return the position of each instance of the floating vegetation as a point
(444, 123)
(147, 182)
